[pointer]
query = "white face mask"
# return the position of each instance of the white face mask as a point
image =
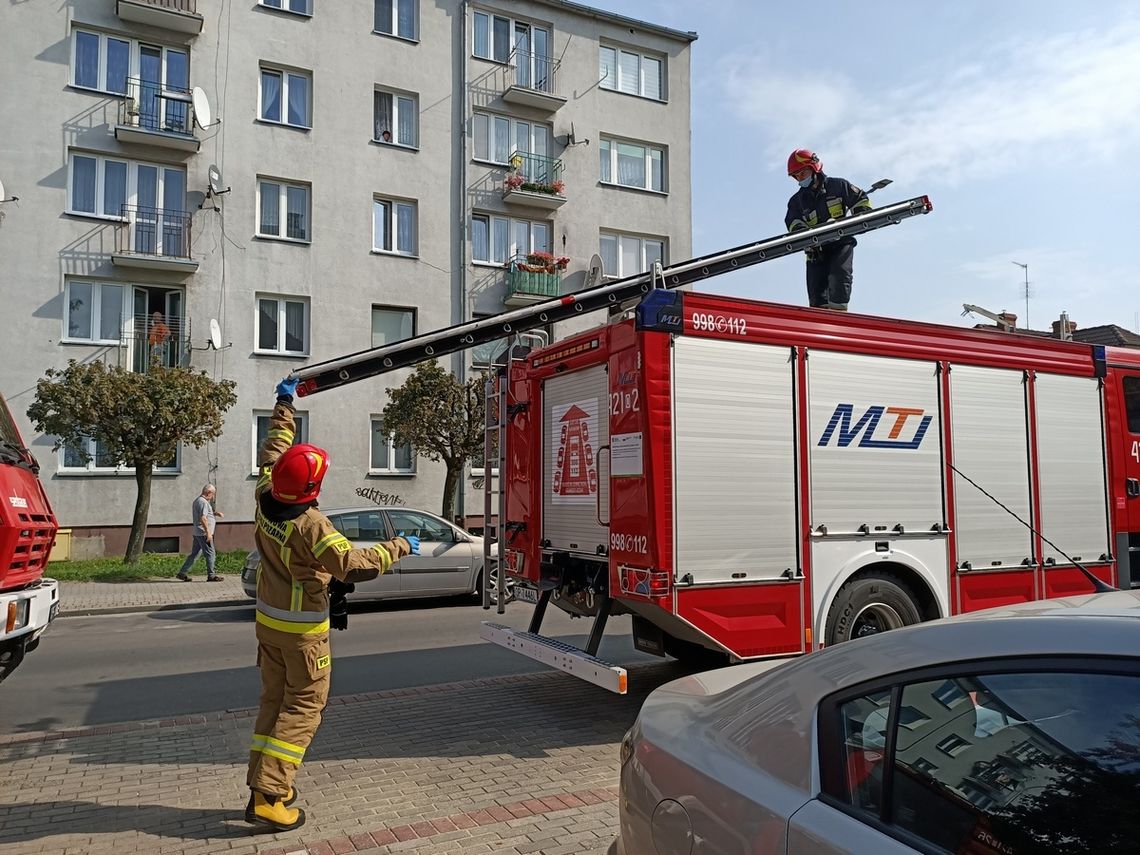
(806, 182)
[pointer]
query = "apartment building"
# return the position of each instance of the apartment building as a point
(313, 178)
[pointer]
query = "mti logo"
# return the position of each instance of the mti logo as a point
(845, 433)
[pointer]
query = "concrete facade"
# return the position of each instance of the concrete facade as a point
(54, 255)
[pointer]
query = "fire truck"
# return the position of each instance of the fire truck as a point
(28, 600)
(748, 479)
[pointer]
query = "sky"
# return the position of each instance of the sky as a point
(1019, 119)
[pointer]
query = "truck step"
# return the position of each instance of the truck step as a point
(564, 657)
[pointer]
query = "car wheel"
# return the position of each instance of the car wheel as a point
(869, 605)
(478, 592)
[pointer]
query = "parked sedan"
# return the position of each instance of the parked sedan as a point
(450, 560)
(1004, 732)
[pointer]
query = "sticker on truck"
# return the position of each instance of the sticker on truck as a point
(574, 470)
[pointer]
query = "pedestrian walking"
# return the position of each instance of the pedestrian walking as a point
(302, 556)
(203, 514)
(819, 199)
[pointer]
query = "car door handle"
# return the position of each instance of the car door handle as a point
(1132, 487)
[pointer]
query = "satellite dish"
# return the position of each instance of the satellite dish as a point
(4, 198)
(203, 115)
(215, 334)
(595, 271)
(217, 187)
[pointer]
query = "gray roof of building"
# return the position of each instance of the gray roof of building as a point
(613, 17)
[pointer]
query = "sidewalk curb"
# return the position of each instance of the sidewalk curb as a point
(119, 610)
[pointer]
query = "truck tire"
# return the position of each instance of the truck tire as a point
(869, 605)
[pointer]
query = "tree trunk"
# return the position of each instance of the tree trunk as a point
(142, 511)
(450, 482)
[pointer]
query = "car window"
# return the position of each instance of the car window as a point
(421, 525)
(362, 525)
(1025, 763)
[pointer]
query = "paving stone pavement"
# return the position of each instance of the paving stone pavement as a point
(519, 764)
(88, 598)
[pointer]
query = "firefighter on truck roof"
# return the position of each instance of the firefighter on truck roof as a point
(303, 560)
(819, 199)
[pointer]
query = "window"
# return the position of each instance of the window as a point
(1132, 402)
(633, 73)
(102, 460)
(496, 240)
(492, 37)
(497, 137)
(625, 255)
(388, 456)
(286, 97)
(261, 430)
(395, 118)
(275, 196)
(391, 324)
(300, 7)
(396, 18)
(631, 165)
(100, 61)
(1017, 752)
(360, 525)
(422, 526)
(393, 227)
(101, 187)
(94, 312)
(282, 325)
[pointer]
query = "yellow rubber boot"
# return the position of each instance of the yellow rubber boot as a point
(292, 797)
(272, 812)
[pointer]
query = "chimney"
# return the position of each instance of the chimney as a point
(1007, 318)
(1063, 328)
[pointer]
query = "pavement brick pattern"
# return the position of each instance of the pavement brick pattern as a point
(520, 764)
(91, 598)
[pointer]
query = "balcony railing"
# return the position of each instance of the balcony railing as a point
(155, 339)
(154, 107)
(533, 80)
(530, 283)
(534, 180)
(155, 238)
(178, 15)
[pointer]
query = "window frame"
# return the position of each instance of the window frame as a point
(130, 184)
(663, 74)
(395, 22)
(512, 247)
(284, 72)
(829, 740)
(97, 286)
(283, 187)
(512, 137)
(1130, 392)
(300, 421)
(284, 6)
(382, 307)
(642, 240)
(375, 420)
(392, 226)
(282, 313)
(91, 468)
(396, 95)
(134, 59)
(611, 144)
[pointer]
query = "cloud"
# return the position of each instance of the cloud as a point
(1026, 100)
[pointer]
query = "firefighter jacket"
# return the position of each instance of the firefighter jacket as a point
(832, 199)
(301, 552)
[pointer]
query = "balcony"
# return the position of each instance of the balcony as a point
(534, 181)
(152, 114)
(180, 16)
(155, 340)
(154, 239)
(534, 278)
(532, 81)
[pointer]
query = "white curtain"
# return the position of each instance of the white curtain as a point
(501, 234)
(406, 25)
(480, 239)
(295, 327)
(383, 115)
(87, 60)
(406, 116)
(628, 73)
(380, 219)
(271, 95)
(298, 100)
(631, 165)
(270, 209)
(83, 184)
(406, 229)
(297, 208)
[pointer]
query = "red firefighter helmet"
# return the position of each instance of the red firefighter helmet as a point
(803, 158)
(297, 474)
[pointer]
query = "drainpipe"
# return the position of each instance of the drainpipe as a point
(459, 315)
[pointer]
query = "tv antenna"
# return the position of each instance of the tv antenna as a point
(215, 342)
(1025, 267)
(595, 272)
(571, 138)
(203, 113)
(216, 186)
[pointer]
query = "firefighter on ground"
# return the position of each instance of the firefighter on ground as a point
(302, 557)
(819, 199)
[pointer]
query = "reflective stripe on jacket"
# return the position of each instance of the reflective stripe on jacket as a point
(834, 197)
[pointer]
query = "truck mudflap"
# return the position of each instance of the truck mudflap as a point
(558, 655)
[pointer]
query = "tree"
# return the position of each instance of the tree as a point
(441, 418)
(136, 419)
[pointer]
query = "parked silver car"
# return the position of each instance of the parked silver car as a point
(450, 560)
(1004, 732)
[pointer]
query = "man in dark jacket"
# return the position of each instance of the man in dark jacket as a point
(819, 199)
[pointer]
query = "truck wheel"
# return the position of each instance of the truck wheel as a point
(870, 605)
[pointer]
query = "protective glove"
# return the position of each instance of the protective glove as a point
(413, 542)
(287, 388)
(338, 603)
(813, 254)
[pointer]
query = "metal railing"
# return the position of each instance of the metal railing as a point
(523, 279)
(190, 6)
(155, 339)
(535, 173)
(155, 232)
(155, 107)
(535, 71)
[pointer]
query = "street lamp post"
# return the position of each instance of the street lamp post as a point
(1025, 267)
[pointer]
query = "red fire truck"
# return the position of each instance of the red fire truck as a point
(749, 479)
(28, 601)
